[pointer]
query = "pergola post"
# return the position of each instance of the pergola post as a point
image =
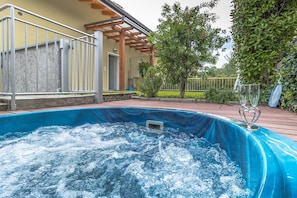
(152, 55)
(122, 60)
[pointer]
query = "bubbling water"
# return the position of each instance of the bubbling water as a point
(115, 160)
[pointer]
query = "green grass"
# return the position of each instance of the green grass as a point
(166, 94)
(117, 92)
(175, 94)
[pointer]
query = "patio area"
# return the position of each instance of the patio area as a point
(275, 119)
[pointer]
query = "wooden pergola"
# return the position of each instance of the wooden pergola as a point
(123, 31)
(123, 28)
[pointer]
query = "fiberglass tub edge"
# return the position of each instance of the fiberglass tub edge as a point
(267, 160)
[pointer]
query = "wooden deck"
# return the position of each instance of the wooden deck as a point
(277, 120)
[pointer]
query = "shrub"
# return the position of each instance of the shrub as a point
(289, 83)
(143, 67)
(152, 82)
(221, 96)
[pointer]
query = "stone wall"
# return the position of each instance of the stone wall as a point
(117, 96)
(37, 69)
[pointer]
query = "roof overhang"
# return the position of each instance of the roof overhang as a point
(135, 33)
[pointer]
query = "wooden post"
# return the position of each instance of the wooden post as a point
(152, 56)
(122, 60)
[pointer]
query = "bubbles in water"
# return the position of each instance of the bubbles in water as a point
(115, 160)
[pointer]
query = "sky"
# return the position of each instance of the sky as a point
(148, 12)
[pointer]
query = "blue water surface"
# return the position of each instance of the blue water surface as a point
(116, 160)
(267, 160)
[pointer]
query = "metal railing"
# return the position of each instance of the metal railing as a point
(200, 84)
(39, 55)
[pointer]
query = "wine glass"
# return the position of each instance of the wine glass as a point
(254, 94)
(250, 115)
(243, 94)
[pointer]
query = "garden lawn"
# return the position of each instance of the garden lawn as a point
(175, 94)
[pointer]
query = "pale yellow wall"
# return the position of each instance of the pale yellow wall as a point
(75, 14)
(132, 64)
(108, 46)
(70, 12)
(130, 52)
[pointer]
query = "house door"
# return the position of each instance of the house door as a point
(113, 72)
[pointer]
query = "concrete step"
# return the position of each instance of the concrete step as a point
(25, 102)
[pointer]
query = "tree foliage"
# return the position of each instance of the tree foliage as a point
(263, 31)
(185, 40)
(228, 69)
(289, 82)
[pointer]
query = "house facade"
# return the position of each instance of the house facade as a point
(124, 37)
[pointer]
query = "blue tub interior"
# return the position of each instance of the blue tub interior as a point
(268, 161)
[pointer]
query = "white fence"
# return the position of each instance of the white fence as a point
(46, 56)
(200, 84)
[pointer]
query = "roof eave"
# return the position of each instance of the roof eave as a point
(127, 17)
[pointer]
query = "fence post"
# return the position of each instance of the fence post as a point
(12, 58)
(64, 46)
(98, 67)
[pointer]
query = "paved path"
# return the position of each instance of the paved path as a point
(277, 120)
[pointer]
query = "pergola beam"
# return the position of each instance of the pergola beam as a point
(97, 6)
(86, 1)
(98, 26)
(108, 12)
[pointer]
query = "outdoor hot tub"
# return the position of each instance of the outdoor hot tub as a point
(266, 160)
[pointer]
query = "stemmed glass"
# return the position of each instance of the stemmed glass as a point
(251, 93)
(254, 90)
(243, 93)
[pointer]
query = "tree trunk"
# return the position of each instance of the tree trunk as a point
(182, 88)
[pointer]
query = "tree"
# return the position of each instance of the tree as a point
(211, 71)
(263, 31)
(229, 69)
(185, 40)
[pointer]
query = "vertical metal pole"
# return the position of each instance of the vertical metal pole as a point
(8, 57)
(3, 56)
(64, 65)
(78, 54)
(87, 64)
(92, 63)
(12, 58)
(26, 58)
(37, 60)
(98, 67)
(83, 66)
(47, 57)
(70, 65)
(56, 64)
